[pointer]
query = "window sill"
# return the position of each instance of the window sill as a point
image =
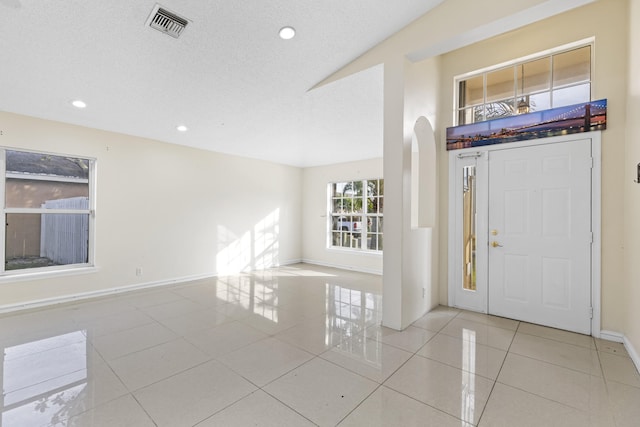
(22, 276)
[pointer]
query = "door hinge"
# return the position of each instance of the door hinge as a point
(591, 162)
(590, 312)
(591, 237)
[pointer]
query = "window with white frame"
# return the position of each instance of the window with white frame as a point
(552, 80)
(48, 211)
(356, 214)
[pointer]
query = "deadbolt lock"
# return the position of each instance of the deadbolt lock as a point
(494, 232)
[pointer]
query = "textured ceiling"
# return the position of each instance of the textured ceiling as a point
(238, 87)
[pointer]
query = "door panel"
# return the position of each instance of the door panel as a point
(539, 247)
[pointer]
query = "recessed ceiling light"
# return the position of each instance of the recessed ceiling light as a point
(287, 33)
(78, 103)
(182, 128)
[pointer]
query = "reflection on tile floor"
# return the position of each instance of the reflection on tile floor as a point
(300, 346)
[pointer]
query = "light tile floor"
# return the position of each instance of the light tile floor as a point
(300, 346)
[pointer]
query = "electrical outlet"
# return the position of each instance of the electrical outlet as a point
(138, 271)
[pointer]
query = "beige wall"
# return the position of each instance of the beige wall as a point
(175, 212)
(314, 211)
(606, 20)
(631, 189)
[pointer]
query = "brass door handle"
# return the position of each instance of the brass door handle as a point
(496, 244)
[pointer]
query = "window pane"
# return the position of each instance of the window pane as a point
(470, 91)
(357, 188)
(372, 187)
(534, 76)
(572, 67)
(572, 95)
(500, 84)
(471, 115)
(335, 223)
(40, 240)
(35, 180)
(540, 101)
(337, 188)
(469, 227)
(501, 108)
(372, 242)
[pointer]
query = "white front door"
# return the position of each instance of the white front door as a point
(540, 234)
(531, 252)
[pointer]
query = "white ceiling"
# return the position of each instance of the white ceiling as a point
(238, 87)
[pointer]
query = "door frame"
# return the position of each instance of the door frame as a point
(455, 227)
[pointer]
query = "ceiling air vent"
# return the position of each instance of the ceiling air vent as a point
(168, 22)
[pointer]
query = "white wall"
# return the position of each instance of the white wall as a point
(174, 211)
(314, 211)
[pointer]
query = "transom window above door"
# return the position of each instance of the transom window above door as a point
(556, 79)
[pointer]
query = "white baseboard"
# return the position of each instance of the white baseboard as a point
(611, 336)
(621, 338)
(343, 267)
(7, 308)
(633, 353)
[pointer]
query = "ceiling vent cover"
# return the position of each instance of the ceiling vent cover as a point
(168, 22)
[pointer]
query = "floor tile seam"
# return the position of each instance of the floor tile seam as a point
(4, 407)
(341, 367)
(431, 406)
(88, 329)
(607, 381)
(286, 405)
(615, 355)
(378, 386)
(128, 393)
(589, 374)
(358, 373)
(92, 340)
(458, 338)
(488, 322)
(486, 345)
(587, 412)
(108, 360)
(484, 325)
(160, 319)
(493, 380)
(624, 356)
(431, 330)
(270, 334)
(313, 356)
(413, 352)
(218, 355)
(559, 341)
(3, 345)
(556, 364)
(461, 369)
(299, 347)
(143, 408)
(174, 374)
(493, 386)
